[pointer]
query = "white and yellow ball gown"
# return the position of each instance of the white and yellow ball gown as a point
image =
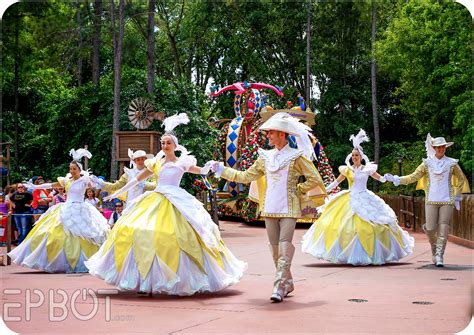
(66, 235)
(356, 226)
(166, 242)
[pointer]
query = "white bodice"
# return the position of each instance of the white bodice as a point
(363, 202)
(170, 174)
(359, 183)
(76, 189)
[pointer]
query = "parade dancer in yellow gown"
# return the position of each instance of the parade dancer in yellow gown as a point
(165, 241)
(68, 233)
(356, 226)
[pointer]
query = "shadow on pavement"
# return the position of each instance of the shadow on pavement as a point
(331, 265)
(134, 296)
(447, 267)
(290, 303)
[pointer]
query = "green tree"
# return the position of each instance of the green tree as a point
(427, 49)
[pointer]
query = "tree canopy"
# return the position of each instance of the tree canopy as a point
(51, 103)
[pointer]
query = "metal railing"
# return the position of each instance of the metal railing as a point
(8, 231)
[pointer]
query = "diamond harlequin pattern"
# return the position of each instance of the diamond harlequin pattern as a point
(234, 126)
(231, 161)
(233, 136)
(231, 148)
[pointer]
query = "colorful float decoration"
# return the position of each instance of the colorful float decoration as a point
(240, 140)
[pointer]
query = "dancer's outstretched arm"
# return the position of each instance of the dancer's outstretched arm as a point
(378, 177)
(201, 170)
(44, 186)
(131, 183)
(335, 183)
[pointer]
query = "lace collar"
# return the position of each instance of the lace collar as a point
(278, 159)
(440, 166)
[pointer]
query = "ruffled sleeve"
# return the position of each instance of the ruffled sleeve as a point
(187, 161)
(150, 164)
(62, 181)
(370, 168)
(343, 170)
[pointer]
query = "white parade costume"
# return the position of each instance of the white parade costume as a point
(357, 227)
(66, 235)
(165, 241)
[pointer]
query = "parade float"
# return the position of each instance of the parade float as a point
(240, 139)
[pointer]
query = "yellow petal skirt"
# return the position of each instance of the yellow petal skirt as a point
(153, 248)
(51, 248)
(341, 236)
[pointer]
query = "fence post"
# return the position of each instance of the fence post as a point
(415, 217)
(9, 238)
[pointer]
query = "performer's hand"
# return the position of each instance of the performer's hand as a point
(217, 168)
(394, 179)
(206, 168)
(213, 164)
(99, 183)
(457, 203)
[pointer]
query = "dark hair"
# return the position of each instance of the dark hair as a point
(76, 163)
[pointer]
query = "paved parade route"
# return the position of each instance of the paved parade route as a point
(320, 303)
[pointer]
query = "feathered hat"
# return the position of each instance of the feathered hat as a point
(434, 142)
(169, 124)
(289, 124)
(78, 154)
(357, 140)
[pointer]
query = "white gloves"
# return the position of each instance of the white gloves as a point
(394, 179)
(216, 167)
(457, 202)
(332, 186)
(99, 183)
(45, 186)
(382, 179)
(206, 168)
(131, 184)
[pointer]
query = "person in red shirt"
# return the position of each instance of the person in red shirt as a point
(41, 199)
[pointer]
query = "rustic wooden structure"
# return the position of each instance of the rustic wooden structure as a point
(135, 140)
(462, 225)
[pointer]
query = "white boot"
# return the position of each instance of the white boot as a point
(432, 238)
(283, 282)
(441, 245)
(289, 251)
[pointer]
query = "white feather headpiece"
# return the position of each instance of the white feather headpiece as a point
(169, 124)
(173, 121)
(430, 152)
(78, 154)
(357, 140)
(303, 140)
